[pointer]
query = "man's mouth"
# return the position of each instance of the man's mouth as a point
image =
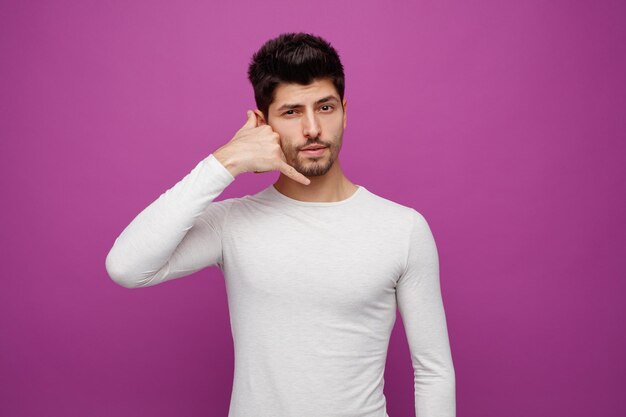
(313, 147)
(314, 150)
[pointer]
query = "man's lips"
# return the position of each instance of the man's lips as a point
(314, 151)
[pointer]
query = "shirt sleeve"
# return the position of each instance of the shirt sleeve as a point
(177, 234)
(420, 303)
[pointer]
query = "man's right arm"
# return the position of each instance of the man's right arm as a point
(178, 234)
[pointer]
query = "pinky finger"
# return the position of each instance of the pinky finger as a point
(291, 172)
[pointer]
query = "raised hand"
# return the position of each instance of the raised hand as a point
(257, 149)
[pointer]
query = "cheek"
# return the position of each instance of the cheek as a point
(285, 134)
(282, 129)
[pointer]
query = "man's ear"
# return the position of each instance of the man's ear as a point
(260, 118)
(345, 115)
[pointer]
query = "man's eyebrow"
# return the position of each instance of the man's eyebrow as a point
(321, 100)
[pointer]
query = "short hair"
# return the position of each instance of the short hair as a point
(294, 57)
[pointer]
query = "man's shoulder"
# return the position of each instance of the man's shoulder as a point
(387, 206)
(234, 205)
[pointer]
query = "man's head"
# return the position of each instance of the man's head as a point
(298, 86)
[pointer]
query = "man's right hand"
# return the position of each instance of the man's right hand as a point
(256, 148)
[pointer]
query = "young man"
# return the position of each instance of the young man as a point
(315, 265)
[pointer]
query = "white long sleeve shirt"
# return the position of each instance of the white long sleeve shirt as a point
(312, 292)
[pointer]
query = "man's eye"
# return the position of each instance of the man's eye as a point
(289, 112)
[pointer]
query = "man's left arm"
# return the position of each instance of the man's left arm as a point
(420, 303)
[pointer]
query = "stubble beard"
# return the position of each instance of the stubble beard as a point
(314, 166)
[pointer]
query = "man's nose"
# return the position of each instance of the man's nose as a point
(311, 127)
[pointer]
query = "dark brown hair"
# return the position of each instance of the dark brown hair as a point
(293, 58)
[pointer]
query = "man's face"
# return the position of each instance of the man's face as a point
(305, 115)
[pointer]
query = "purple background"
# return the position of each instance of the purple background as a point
(501, 122)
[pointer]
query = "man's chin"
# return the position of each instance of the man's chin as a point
(313, 168)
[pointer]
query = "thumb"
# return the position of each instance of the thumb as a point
(252, 120)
